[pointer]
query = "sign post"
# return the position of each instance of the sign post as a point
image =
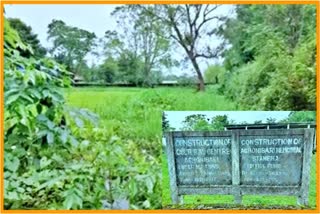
(240, 162)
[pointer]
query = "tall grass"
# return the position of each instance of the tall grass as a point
(137, 111)
(135, 114)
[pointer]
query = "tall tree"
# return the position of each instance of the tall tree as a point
(301, 116)
(190, 24)
(28, 37)
(200, 122)
(219, 122)
(108, 70)
(130, 69)
(70, 44)
(196, 122)
(145, 36)
(271, 57)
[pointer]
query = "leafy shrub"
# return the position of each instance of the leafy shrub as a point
(56, 157)
(214, 74)
(271, 63)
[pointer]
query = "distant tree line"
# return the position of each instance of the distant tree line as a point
(267, 52)
(200, 122)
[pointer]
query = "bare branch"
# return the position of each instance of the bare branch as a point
(207, 11)
(189, 19)
(211, 54)
(197, 15)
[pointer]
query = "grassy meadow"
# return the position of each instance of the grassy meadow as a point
(137, 111)
(135, 114)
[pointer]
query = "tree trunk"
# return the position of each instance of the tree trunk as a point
(199, 74)
(147, 72)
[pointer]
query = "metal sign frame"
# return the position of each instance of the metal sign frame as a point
(236, 189)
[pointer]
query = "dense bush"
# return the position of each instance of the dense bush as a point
(57, 157)
(271, 63)
(215, 74)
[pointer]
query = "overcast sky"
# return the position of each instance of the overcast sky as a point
(176, 118)
(94, 18)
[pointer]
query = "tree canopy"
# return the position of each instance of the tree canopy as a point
(27, 37)
(70, 44)
(190, 26)
(271, 62)
(200, 122)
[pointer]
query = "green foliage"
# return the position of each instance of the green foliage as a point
(70, 44)
(141, 38)
(108, 70)
(214, 74)
(165, 124)
(187, 80)
(219, 122)
(133, 116)
(271, 64)
(301, 116)
(27, 37)
(40, 142)
(199, 122)
(47, 163)
(196, 122)
(189, 27)
(130, 69)
(184, 79)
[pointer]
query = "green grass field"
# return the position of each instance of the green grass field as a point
(139, 110)
(135, 113)
(194, 201)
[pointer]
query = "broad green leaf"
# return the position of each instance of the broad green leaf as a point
(50, 183)
(79, 122)
(72, 201)
(150, 184)
(11, 99)
(14, 164)
(50, 137)
(64, 136)
(44, 162)
(12, 196)
(10, 123)
(133, 189)
(146, 204)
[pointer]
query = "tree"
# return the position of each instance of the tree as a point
(219, 122)
(200, 122)
(108, 71)
(145, 36)
(271, 120)
(196, 122)
(214, 74)
(189, 25)
(130, 69)
(301, 116)
(28, 37)
(270, 57)
(70, 44)
(186, 80)
(166, 124)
